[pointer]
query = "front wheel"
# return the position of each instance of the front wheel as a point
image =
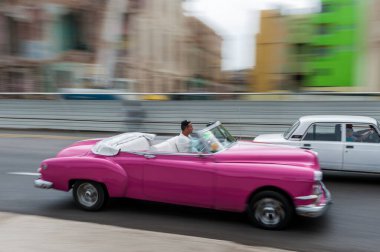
(88, 195)
(270, 210)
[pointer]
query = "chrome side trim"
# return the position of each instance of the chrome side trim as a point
(43, 184)
(309, 197)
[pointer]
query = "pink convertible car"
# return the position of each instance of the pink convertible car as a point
(272, 183)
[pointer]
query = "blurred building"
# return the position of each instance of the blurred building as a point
(371, 61)
(299, 50)
(204, 56)
(153, 47)
(42, 43)
(334, 42)
(164, 50)
(270, 53)
(319, 51)
(131, 45)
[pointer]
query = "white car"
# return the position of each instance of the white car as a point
(343, 143)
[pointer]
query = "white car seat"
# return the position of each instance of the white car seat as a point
(138, 144)
(168, 146)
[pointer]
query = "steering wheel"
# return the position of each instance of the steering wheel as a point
(204, 147)
(371, 137)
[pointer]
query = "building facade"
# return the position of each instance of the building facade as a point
(129, 45)
(162, 49)
(270, 53)
(370, 76)
(337, 35)
(37, 36)
(204, 54)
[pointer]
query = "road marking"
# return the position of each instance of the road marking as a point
(25, 173)
(40, 136)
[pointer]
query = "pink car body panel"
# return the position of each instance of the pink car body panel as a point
(223, 180)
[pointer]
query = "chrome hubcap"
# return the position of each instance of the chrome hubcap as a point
(87, 194)
(269, 211)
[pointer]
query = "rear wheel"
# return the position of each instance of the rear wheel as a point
(89, 195)
(270, 210)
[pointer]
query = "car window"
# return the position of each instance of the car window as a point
(291, 129)
(323, 132)
(365, 133)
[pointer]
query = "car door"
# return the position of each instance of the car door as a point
(326, 140)
(362, 149)
(180, 178)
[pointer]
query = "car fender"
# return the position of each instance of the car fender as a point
(252, 178)
(64, 170)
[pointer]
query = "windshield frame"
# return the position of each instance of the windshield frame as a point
(291, 129)
(228, 138)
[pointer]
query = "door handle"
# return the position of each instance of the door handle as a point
(306, 147)
(349, 146)
(149, 156)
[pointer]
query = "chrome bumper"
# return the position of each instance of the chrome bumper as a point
(39, 183)
(314, 210)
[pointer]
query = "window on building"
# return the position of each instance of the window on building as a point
(326, 7)
(14, 36)
(301, 48)
(323, 29)
(73, 32)
(322, 51)
(125, 36)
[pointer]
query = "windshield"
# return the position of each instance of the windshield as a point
(215, 138)
(290, 130)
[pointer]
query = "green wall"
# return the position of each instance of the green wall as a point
(334, 42)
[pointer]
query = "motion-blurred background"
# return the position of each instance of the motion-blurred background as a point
(173, 46)
(267, 62)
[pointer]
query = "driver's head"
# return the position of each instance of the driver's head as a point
(186, 127)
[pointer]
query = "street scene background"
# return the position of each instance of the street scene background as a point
(72, 70)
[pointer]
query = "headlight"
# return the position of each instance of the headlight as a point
(317, 176)
(44, 166)
(317, 189)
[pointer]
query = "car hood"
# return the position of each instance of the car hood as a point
(79, 148)
(250, 152)
(271, 138)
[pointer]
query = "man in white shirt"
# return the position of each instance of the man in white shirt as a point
(183, 141)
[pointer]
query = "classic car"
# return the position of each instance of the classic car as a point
(271, 183)
(343, 143)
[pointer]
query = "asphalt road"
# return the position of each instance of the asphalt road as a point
(351, 224)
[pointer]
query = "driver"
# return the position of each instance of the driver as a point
(183, 141)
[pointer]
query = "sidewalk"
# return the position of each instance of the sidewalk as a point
(19, 233)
